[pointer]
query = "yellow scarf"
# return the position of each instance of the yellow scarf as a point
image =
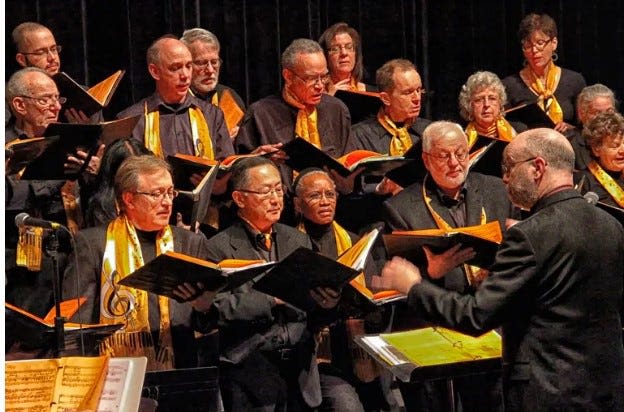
(401, 140)
(472, 272)
(215, 99)
(120, 304)
(611, 186)
(199, 130)
(306, 125)
(545, 92)
(500, 130)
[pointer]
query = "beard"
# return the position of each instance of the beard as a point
(522, 192)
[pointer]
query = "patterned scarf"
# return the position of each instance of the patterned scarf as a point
(199, 130)
(401, 140)
(120, 304)
(610, 185)
(545, 92)
(306, 125)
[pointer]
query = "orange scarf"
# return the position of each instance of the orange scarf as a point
(610, 185)
(306, 125)
(120, 304)
(401, 140)
(545, 92)
(199, 130)
(500, 130)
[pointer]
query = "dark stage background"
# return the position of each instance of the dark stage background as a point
(447, 39)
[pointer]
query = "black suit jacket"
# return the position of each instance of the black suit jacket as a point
(556, 289)
(407, 211)
(83, 274)
(251, 326)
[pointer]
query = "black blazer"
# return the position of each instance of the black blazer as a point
(556, 289)
(83, 274)
(570, 85)
(407, 211)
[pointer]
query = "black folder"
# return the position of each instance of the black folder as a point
(531, 115)
(89, 101)
(412, 172)
(63, 139)
(488, 161)
(410, 246)
(292, 278)
(169, 270)
(361, 105)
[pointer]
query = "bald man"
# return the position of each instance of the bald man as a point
(174, 121)
(555, 290)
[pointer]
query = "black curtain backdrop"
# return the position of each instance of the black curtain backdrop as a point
(446, 39)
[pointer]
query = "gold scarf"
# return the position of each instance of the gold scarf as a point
(215, 99)
(545, 93)
(401, 140)
(611, 186)
(500, 130)
(120, 304)
(306, 125)
(473, 273)
(199, 130)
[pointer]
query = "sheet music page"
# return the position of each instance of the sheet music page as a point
(29, 386)
(382, 348)
(54, 384)
(123, 385)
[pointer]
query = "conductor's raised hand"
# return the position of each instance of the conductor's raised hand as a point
(397, 274)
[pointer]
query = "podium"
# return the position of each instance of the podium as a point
(184, 390)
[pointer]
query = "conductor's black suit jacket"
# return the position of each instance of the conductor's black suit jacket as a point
(556, 289)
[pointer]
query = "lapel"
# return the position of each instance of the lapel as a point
(474, 203)
(240, 243)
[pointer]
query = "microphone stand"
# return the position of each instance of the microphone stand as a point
(51, 250)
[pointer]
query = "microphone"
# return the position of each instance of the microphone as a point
(24, 219)
(591, 198)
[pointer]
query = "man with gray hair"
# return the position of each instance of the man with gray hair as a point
(592, 100)
(205, 47)
(555, 290)
(301, 109)
(174, 121)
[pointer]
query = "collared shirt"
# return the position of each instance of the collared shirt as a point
(175, 125)
(256, 238)
(456, 207)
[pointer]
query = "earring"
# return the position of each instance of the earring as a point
(554, 56)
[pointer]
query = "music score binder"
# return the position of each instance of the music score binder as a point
(484, 239)
(89, 101)
(530, 114)
(163, 274)
(486, 156)
(44, 158)
(302, 154)
(293, 277)
(434, 353)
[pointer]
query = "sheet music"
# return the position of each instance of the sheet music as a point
(123, 385)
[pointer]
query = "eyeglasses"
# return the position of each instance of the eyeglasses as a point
(316, 197)
(55, 50)
(349, 47)
(46, 101)
(460, 155)
(539, 45)
(506, 168)
(420, 91)
(312, 81)
(203, 64)
(480, 101)
(159, 195)
(266, 192)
